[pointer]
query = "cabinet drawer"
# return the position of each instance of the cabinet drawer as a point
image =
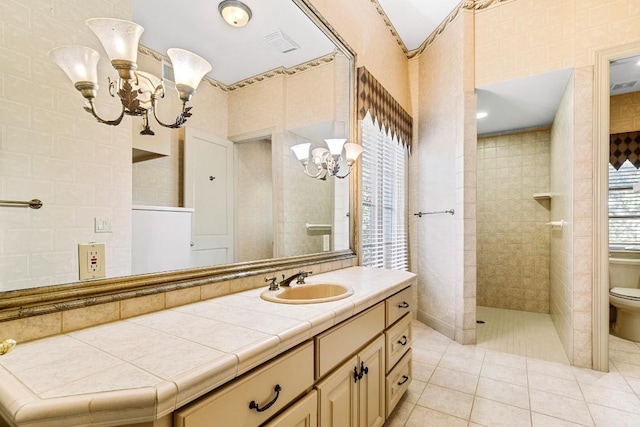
(303, 413)
(338, 343)
(398, 382)
(398, 341)
(398, 305)
(230, 406)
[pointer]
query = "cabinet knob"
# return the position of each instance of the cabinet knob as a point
(403, 304)
(403, 340)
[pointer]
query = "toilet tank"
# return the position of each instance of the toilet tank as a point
(624, 272)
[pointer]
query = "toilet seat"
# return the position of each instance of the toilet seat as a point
(631, 294)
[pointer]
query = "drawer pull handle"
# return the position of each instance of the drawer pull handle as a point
(356, 377)
(404, 304)
(254, 405)
(403, 340)
(404, 380)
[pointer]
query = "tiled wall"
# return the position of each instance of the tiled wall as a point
(513, 241)
(442, 177)
(625, 113)
(562, 136)
(254, 206)
(51, 149)
(521, 37)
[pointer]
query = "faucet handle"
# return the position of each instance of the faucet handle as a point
(303, 275)
(273, 286)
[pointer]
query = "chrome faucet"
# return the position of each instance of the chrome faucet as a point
(299, 276)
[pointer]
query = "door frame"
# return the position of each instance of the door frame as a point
(601, 129)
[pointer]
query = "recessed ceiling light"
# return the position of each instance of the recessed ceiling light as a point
(481, 114)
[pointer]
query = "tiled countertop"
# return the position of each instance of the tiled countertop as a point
(143, 368)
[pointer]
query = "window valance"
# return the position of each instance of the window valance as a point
(624, 146)
(374, 98)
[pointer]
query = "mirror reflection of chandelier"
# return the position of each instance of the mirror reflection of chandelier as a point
(329, 162)
(138, 91)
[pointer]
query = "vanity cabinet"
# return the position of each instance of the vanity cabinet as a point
(254, 398)
(398, 340)
(354, 394)
(352, 375)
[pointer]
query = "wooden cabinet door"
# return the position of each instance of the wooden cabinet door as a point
(371, 387)
(304, 413)
(338, 394)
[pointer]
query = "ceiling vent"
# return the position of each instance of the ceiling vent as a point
(281, 42)
(623, 86)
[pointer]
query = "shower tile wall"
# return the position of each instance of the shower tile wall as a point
(512, 238)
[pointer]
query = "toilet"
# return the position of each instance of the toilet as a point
(624, 295)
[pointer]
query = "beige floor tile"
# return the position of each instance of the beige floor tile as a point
(541, 420)
(426, 356)
(415, 391)
(628, 369)
(505, 359)
(620, 356)
(612, 380)
(556, 385)
(550, 368)
(448, 401)
(400, 414)
(560, 407)
(496, 414)
(425, 417)
(610, 398)
(461, 364)
(504, 373)
(616, 343)
(422, 371)
(607, 417)
(510, 394)
(454, 380)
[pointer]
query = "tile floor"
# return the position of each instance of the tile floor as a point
(457, 385)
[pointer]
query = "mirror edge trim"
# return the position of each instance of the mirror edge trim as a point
(25, 303)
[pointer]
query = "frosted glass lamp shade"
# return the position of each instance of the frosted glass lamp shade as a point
(335, 146)
(302, 152)
(234, 12)
(188, 68)
(118, 37)
(78, 62)
(352, 152)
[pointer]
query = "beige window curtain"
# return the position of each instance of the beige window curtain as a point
(623, 147)
(374, 98)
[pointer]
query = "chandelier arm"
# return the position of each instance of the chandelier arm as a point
(93, 112)
(317, 175)
(180, 120)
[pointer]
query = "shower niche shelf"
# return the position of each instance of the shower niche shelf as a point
(542, 196)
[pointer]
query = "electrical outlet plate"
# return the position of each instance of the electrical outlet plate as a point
(91, 261)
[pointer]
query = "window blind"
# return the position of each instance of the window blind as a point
(624, 206)
(384, 199)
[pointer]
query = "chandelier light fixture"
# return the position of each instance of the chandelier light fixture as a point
(329, 162)
(138, 91)
(234, 12)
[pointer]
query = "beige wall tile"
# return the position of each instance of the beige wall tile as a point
(141, 305)
(90, 316)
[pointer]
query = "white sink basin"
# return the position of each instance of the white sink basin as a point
(311, 293)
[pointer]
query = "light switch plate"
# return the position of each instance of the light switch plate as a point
(91, 261)
(102, 225)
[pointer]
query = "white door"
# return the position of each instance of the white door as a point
(208, 189)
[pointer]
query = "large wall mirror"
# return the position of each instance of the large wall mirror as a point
(284, 78)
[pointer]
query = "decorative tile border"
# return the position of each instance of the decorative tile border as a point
(251, 80)
(464, 4)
